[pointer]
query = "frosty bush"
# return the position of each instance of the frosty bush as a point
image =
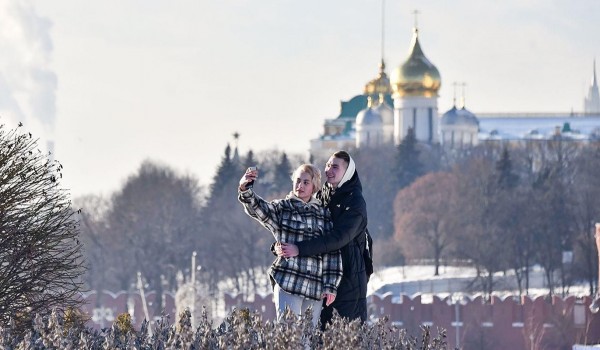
(40, 252)
(241, 329)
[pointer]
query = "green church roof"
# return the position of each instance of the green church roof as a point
(349, 109)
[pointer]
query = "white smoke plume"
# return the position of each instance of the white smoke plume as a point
(27, 82)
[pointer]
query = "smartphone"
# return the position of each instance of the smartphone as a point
(251, 183)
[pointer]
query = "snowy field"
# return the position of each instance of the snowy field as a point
(418, 279)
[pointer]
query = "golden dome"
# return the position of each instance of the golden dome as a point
(379, 85)
(417, 76)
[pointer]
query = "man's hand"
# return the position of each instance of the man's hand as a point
(287, 250)
(276, 248)
(329, 298)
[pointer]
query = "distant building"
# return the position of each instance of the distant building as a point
(459, 128)
(591, 103)
(387, 108)
(538, 126)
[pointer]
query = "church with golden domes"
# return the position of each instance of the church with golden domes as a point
(390, 106)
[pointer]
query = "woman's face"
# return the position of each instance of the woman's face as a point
(303, 186)
(335, 168)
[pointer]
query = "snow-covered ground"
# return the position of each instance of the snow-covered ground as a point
(420, 279)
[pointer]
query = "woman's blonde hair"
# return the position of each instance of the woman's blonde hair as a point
(313, 171)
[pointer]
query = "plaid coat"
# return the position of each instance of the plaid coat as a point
(290, 220)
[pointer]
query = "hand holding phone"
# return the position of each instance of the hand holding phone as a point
(251, 169)
(247, 181)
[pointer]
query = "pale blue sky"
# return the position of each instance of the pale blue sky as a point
(172, 80)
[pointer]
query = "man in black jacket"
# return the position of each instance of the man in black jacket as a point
(342, 195)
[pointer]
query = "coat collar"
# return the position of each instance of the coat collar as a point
(313, 200)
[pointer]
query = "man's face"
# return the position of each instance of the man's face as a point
(334, 170)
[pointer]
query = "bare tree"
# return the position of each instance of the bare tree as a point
(93, 233)
(552, 190)
(40, 253)
(151, 226)
(424, 219)
(379, 188)
(586, 191)
(481, 235)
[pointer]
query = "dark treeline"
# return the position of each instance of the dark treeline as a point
(155, 222)
(498, 207)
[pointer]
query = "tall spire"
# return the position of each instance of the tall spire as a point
(236, 155)
(454, 85)
(416, 13)
(415, 46)
(591, 103)
(236, 137)
(462, 98)
(382, 64)
(594, 81)
(382, 31)
(381, 84)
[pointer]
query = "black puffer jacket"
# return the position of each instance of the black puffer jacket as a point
(349, 215)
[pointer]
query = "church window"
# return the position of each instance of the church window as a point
(430, 112)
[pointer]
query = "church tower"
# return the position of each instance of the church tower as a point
(369, 127)
(591, 104)
(416, 84)
(458, 126)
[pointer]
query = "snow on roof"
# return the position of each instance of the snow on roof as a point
(537, 127)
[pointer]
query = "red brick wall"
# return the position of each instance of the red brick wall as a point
(508, 323)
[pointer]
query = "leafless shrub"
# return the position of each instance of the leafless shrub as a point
(241, 329)
(40, 253)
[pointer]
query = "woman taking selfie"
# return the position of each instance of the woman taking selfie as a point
(298, 282)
